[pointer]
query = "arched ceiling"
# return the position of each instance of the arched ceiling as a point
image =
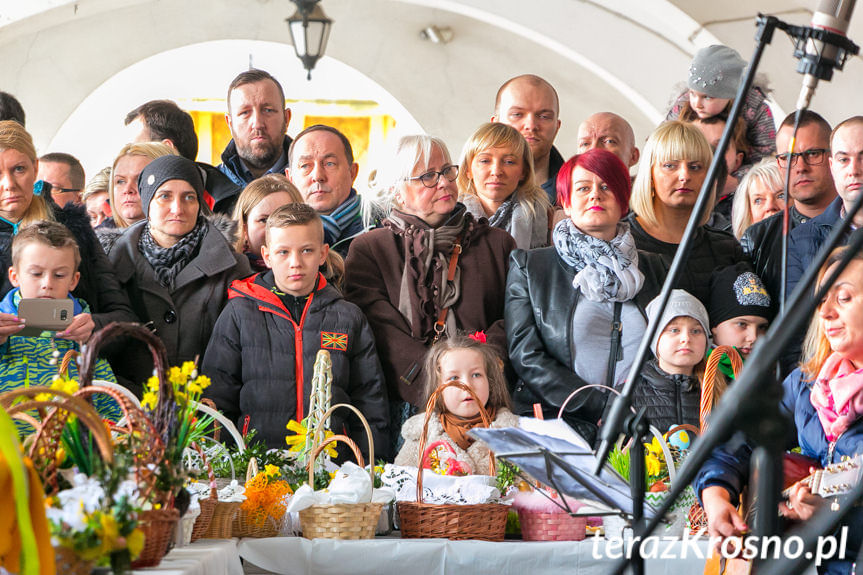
(618, 55)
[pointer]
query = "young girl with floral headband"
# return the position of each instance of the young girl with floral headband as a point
(449, 449)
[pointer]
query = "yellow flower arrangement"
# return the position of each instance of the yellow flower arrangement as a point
(61, 383)
(266, 496)
(297, 442)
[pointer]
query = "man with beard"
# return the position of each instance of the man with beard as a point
(258, 120)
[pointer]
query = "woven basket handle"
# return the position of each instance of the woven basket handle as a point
(708, 393)
(424, 435)
(319, 432)
(68, 357)
(318, 449)
(164, 411)
(214, 494)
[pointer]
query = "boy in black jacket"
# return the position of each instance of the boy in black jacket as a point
(263, 347)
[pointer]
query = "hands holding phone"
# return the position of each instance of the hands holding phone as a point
(10, 324)
(80, 329)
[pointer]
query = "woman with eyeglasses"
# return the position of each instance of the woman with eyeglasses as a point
(671, 172)
(431, 270)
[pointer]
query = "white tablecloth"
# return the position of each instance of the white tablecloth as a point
(204, 557)
(298, 556)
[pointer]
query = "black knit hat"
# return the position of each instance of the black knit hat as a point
(736, 291)
(166, 168)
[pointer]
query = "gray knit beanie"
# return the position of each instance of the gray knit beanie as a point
(680, 302)
(716, 71)
(166, 168)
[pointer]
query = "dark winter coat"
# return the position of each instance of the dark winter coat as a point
(98, 285)
(670, 399)
(233, 167)
(219, 188)
(555, 162)
(728, 467)
(258, 353)
(540, 307)
(806, 239)
(183, 317)
(762, 242)
(373, 274)
(711, 249)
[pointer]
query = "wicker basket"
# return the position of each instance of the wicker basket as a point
(485, 521)
(537, 526)
(342, 520)
(208, 505)
(68, 562)
(158, 526)
(244, 526)
(222, 524)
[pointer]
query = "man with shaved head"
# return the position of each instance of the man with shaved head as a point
(610, 132)
(530, 105)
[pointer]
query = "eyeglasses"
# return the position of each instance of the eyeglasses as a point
(430, 179)
(813, 157)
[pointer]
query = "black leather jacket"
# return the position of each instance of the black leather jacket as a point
(762, 242)
(540, 304)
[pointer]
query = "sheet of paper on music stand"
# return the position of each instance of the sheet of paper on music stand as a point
(524, 446)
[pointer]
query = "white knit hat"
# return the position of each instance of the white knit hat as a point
(680, 302)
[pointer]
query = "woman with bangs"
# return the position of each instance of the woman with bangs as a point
(497, 182)
(823, 399)
(575, 310)
(671, 172)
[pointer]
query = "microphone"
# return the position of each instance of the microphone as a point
(826, 46)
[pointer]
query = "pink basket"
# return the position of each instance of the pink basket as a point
(536, 526)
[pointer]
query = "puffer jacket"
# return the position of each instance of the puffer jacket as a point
(728, 466)
(805, 240)
(98, 285)
(476, 456)
(540, 306)
(711, 249)
(669, 399)
(762, 242)
(183, 317)
(261, 362)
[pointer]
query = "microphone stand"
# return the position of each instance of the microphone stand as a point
(621, 407)
(743, 405)
(753, 402)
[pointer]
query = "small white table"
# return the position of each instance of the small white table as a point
(203, 557)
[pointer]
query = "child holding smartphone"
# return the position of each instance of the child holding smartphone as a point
(45, 259)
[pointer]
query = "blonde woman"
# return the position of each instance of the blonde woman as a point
(496, 181)
(761, 194)
(22, 203)
(123, 196)
(95, 197)
(256, 202)
(670, 174)
(823, 398)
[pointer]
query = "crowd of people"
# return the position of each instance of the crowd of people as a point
(511, 268)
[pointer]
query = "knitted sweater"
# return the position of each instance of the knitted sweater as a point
(476, 456)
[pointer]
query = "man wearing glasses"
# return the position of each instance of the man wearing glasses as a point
(66, 176)
(811, 192)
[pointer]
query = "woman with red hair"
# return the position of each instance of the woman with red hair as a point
(575, 311)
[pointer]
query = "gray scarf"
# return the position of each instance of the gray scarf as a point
(528, 231)
(424, 290)
(605, 271)
(169, 262)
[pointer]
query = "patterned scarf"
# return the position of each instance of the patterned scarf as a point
(424, 290)
(837, 395)
(605, 271)
(169, 262)
(457, 427)
(341, 218)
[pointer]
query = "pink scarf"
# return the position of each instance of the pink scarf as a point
(837, 395)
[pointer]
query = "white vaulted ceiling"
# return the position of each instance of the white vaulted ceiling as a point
(618, 55)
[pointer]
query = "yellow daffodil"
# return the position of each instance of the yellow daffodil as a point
(135, 543)
(272, 471)
(298, 442)
(187, 370)
(653, 465)
(203, 381)
(150, 399)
